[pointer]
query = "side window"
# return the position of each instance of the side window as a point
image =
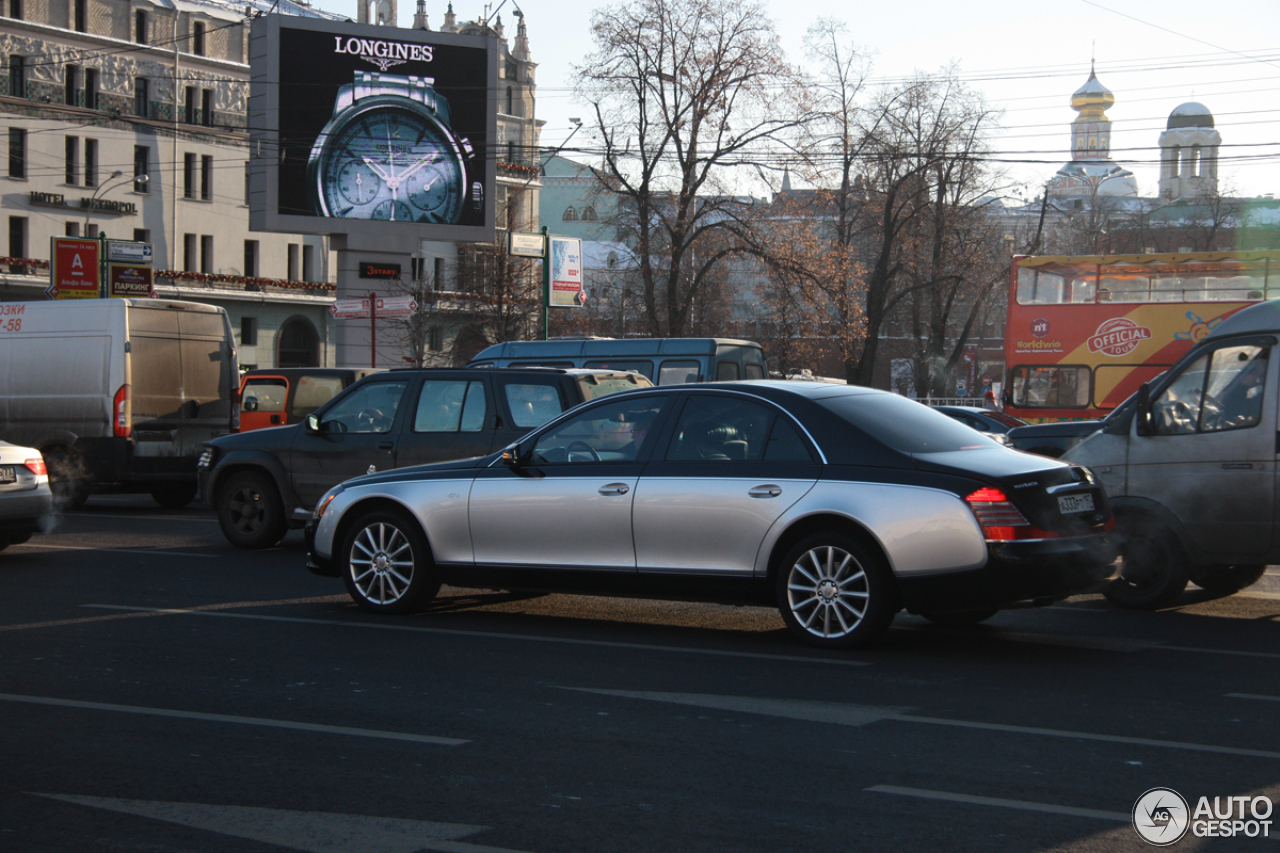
(450, 405)
(612, 432)
(1221, 390)
(369, 408)
(754, 371)
(785, 444)
(532, 405)
(720, 429)
(264, 395)
(1051, 387)
(313, 392)
(727, 371)
(675, 372)
(635, 365)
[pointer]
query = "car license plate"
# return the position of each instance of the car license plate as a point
(8, 475)
(1069, 504)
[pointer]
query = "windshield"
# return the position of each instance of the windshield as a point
(905, 425)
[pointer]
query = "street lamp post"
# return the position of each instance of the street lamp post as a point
(101, 236)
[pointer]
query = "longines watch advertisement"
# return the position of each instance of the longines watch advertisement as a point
(374, 127)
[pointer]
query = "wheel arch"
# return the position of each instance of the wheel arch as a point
(1130, 509)
(818, 523)
(238, 461)
(375, 503)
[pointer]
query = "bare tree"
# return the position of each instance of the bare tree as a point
(685, 92)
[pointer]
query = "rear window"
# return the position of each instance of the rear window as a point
(313, 392)
(905, 425)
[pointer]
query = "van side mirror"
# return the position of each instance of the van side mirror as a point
(1142, 412)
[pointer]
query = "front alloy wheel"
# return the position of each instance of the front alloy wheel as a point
(835, 593)
(387, 564)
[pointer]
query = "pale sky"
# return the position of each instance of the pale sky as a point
(1025, 58)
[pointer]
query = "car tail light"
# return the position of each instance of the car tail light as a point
(36, 466)
(1001, 521)
(120, 414)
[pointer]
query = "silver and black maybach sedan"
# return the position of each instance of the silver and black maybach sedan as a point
(838, 504)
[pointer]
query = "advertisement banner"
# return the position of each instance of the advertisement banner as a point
(373, 127)
(75, 269)
(566, 272)
(130, 281)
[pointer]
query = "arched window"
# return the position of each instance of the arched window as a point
(588, 214)
(570, 215)
(1193, 162)
(298, 345)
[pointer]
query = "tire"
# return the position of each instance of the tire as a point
(250, 511)
(386, 563)
(68, 479)
(1154, 569)
(961, 618)
(1225, 580)
(834, 593)
(175, 495)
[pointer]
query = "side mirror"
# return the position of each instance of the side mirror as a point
(1142, 410)
(511, 456)
(313, 424)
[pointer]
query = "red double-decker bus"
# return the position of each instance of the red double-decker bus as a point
(1084, 332)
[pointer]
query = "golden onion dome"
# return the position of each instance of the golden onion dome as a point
(1092, 96)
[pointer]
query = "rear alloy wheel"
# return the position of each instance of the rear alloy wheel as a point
(1153, 570)
(387, 565)
(250, 511)
(175, 495)
(834, 593)
(961, 618)
(1224, 580)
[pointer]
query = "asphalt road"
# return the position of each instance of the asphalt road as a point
(163, 691)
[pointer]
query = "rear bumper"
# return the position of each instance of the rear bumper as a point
(1016, 573)
(21, 512)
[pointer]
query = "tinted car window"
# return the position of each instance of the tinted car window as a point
(677, 372)
(905, 425)
(785, 444)
(720, 429)
(532, 405)
(612, 432)
(368, 408)
(450, 405)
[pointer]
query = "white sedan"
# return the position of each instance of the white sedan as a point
(25, 499)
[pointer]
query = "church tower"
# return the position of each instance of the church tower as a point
(1189, 153)
(1091, 172)
(380, 12)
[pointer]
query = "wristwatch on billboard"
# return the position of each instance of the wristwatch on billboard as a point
(388, 153)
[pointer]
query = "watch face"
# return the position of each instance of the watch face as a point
(389, 161)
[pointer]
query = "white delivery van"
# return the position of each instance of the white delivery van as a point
(117, 394)
(1190, 465)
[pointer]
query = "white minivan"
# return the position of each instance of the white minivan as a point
(1189, 464)
(117, 394)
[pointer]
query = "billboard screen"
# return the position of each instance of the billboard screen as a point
(364, 130)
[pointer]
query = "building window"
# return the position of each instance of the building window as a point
(308, 263)
(140, 26)
(141, 168)
(142, 235)
(15, 9)
(70, 83)
(72, 229)
(141, 97)
(299, 344)
(197, 38)
(248, 325)
(189, 252)
(570, 215)
(251, 258)
(82, 16)
(17, 76)
(17, 152)
(91, 162)
(206, 253)
(511, 101)
(246, 183)
(90, 230)
(438, 277)
(206, 177)
(91, 88)
(435, 339)
(206, 107)
(588, 214)
(188, 175)
(192, 107)
(18, 243)
(292, 262)
(72, 167)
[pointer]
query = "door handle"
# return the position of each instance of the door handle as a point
(386, 445)
(615, 489)
(766, 491)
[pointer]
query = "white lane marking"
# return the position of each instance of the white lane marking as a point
(996, 801)
(524, 638)
(313, 832)
(860, 715)
(40, 546)
(1253, 696)
(230, 718)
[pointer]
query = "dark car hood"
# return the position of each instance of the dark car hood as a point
(420, 471)
(1058, 429)
(267, 438)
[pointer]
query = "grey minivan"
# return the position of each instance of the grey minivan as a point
(665, 361)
